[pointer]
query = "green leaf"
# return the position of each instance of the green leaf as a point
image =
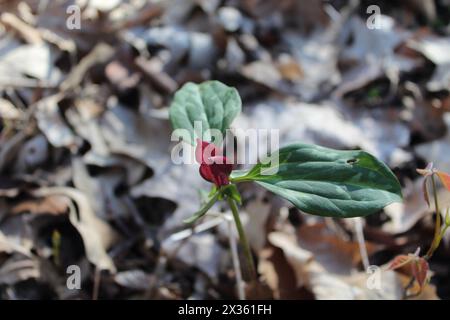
(212, 103)
(327, 182)
(203, 210)
(232, 192)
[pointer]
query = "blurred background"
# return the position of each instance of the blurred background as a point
(87, 185)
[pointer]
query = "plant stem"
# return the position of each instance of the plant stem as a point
(236, 264)
(437, 231)
(243, 238)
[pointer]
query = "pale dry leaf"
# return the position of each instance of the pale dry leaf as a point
(9, 246)
(293, 253)
(54, 205)
(325, 264)
(258, 213)
(102, 5)
(436, 49)
(19, 62)
(179, 183)
(317, 55)
(16, 232)
(17, 269)
(437, 151)
(263, 72)
(328, 124)
(101, 189)
(134, 279)
(96, 234)
(52, 124)
(138, 136)
(8, 111)
(33, 153)
(201, 251)
(414, 207)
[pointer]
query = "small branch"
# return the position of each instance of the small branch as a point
(439, 232)
(186, 233)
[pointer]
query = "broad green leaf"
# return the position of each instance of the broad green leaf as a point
(212, 103)
(327, 182)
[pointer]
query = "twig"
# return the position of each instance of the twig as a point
(183, 234)
(28, 33)
(100, 54)
(143, 17)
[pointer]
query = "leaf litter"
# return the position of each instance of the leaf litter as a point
(85, 143)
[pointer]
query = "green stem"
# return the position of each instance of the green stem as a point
(438, 235)
(437, 231)
(242, 238)
(204, 209)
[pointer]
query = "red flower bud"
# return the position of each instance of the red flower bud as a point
(214, 167)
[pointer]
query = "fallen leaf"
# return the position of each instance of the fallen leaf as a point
(97, 235)
(420, 269)
(445, 179)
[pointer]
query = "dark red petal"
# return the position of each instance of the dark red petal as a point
(205, 172)
(204, 150)
(216, 170)
(220, 170)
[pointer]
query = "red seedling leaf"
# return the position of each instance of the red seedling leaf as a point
(445, 179)
(420, 270)
(400, 261)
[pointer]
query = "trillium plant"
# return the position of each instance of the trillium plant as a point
(417, 263)
(317, 180)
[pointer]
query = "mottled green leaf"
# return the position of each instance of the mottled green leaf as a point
(212, 103)
(327, 182)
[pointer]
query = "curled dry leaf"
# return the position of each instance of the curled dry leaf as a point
(97, 235)
(55, 205)
(436, 50)
(201, 251)
(52, 124)
(414, 207)
(323, 263)
(133, 279)
(438, 150)
(8, 110)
